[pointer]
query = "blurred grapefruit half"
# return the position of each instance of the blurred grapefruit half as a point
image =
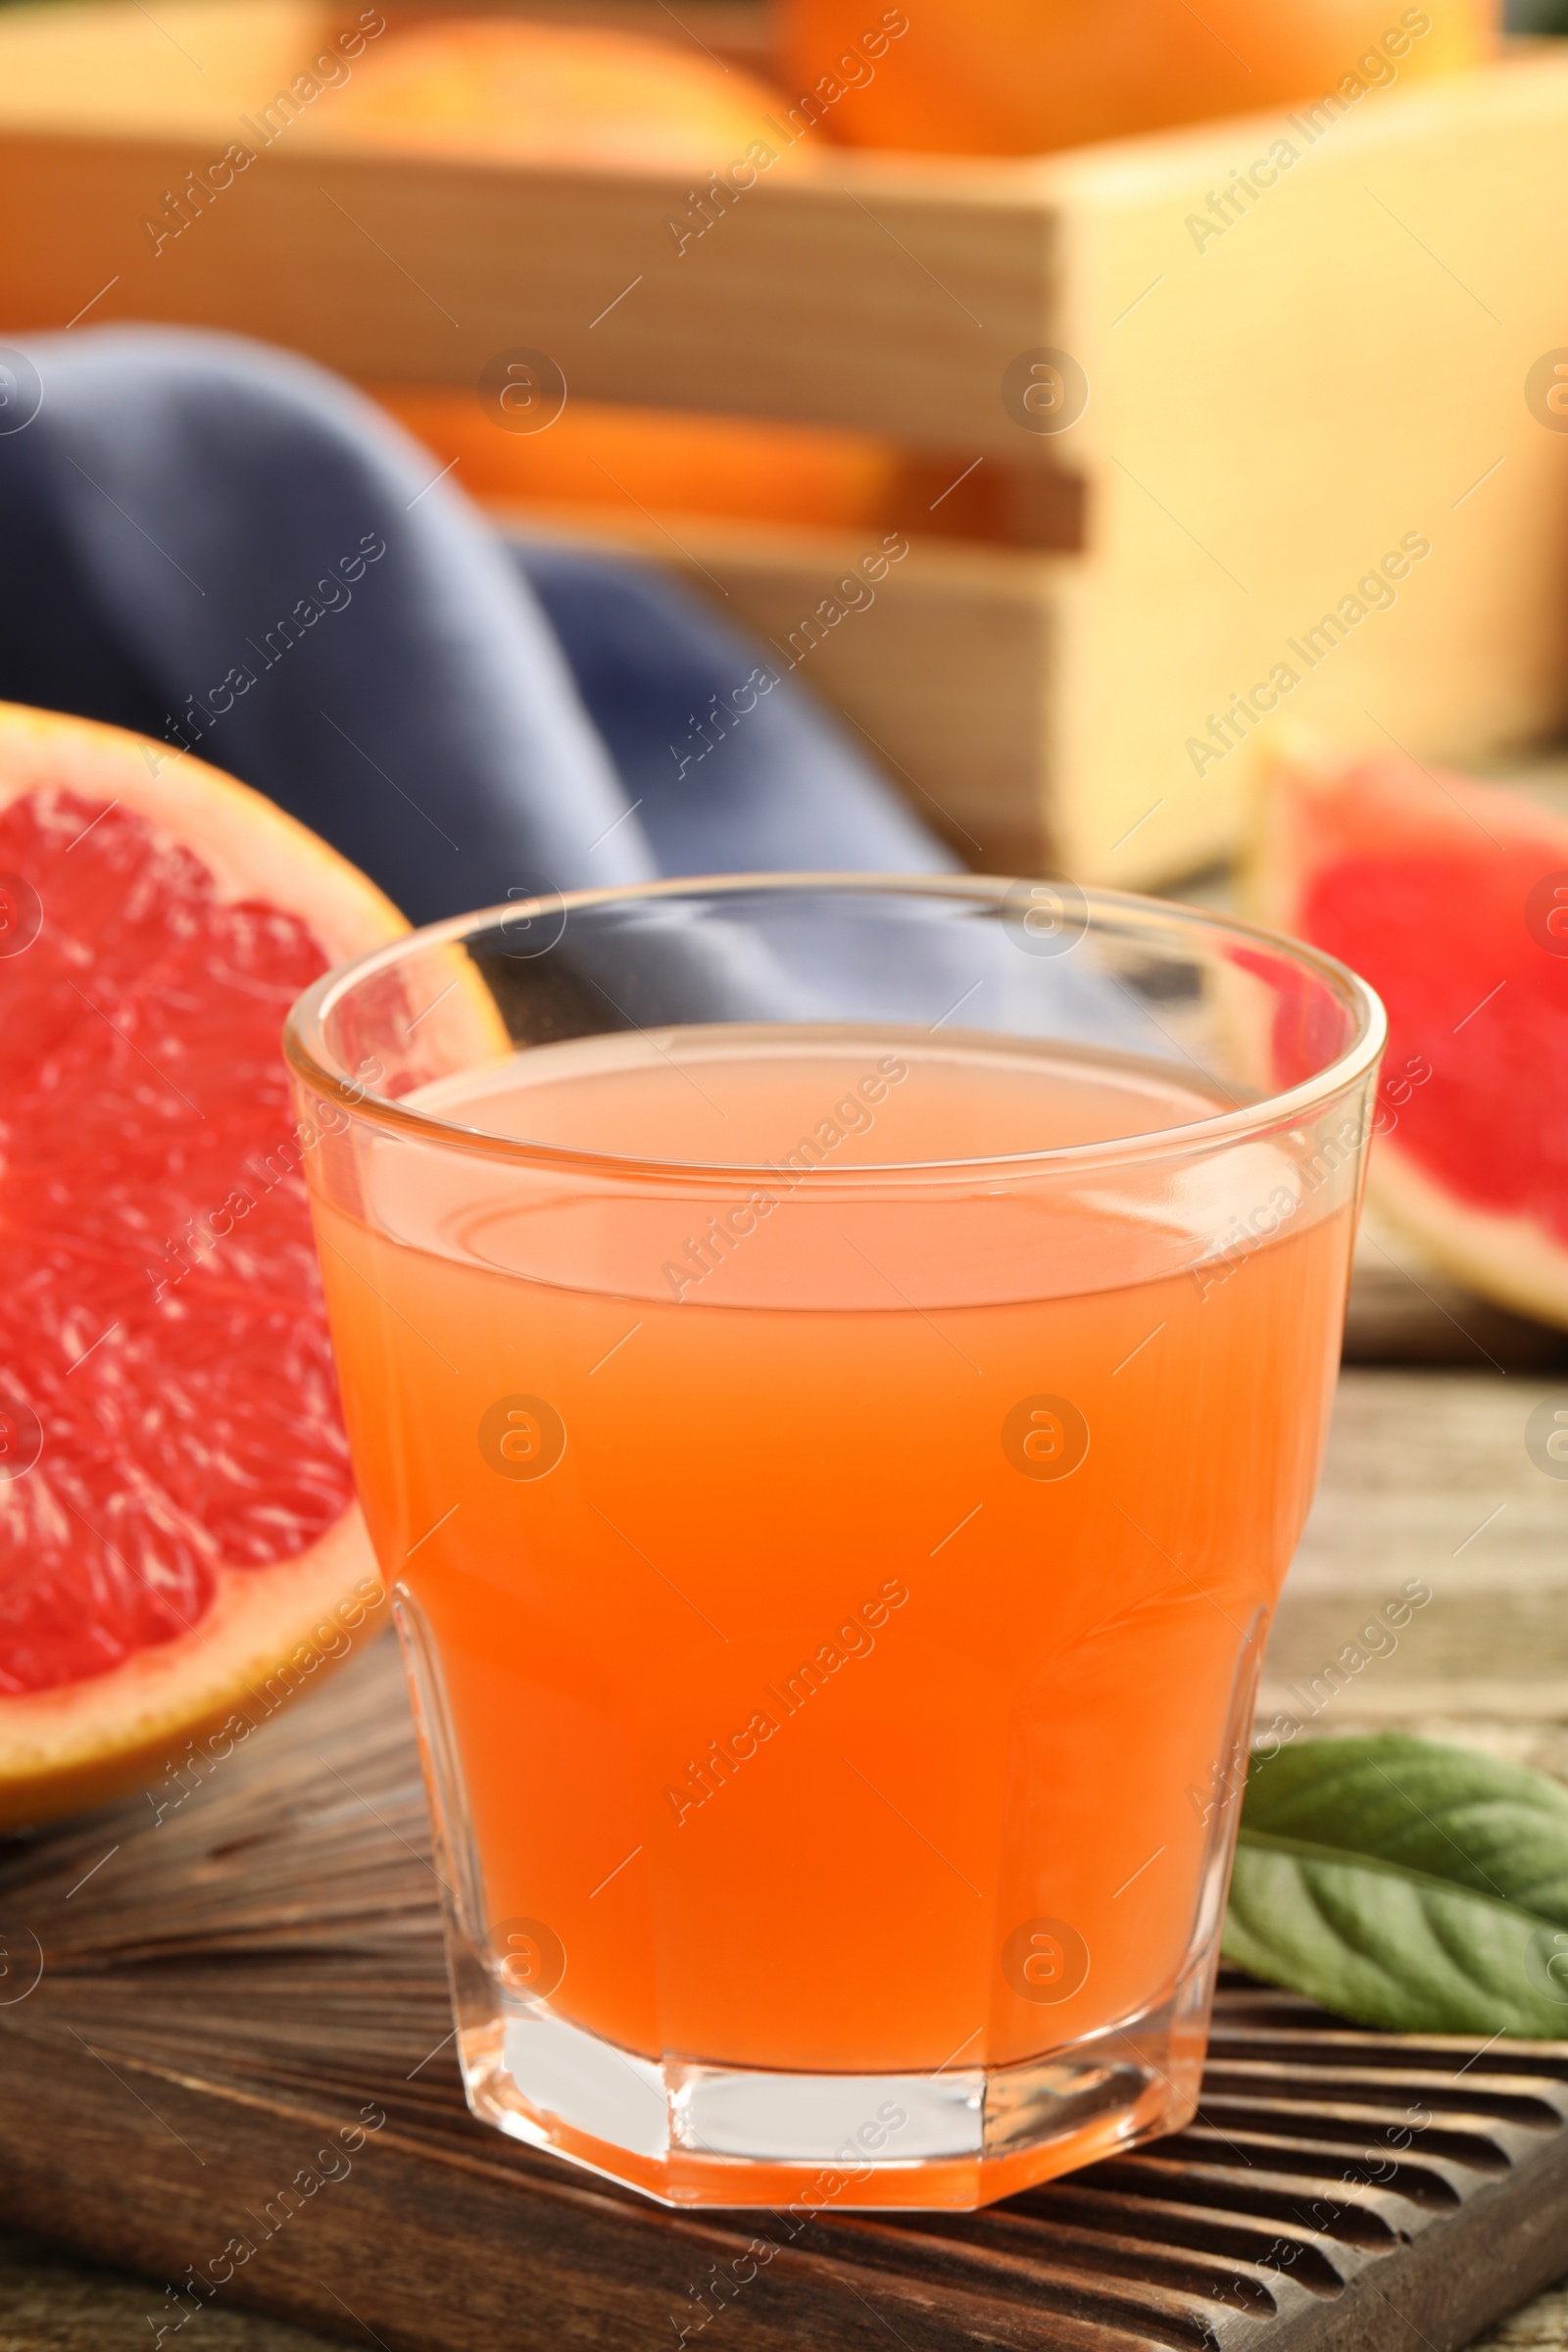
(177, 1527)
(587, 96)
(1025, 77)
(1450, 896)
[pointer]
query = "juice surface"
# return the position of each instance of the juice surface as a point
(823, 1609)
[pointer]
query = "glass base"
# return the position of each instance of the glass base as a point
(690, 2133)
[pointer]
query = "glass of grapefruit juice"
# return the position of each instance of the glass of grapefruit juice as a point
(836, 1370)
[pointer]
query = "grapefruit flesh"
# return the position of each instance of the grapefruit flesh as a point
(176, 1510)
(1443, 893)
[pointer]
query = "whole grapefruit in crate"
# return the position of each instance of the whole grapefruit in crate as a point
(1450, 896)
(594, 97)
(179, 1544)
(1024, 76)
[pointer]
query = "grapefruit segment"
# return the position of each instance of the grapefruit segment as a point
(177, 1511)
(1440, 892)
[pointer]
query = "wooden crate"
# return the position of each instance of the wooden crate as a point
(1272, 408)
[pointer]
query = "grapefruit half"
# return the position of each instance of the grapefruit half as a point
(1451, 898)
(179, 1542)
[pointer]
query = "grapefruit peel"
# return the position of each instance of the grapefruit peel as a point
(270, 1626)
(1372, 857)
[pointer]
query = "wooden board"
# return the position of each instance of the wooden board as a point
(247, 1997)
(1273, 406)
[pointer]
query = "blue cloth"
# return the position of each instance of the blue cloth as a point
(224, 547)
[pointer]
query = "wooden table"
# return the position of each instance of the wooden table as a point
(1426, 1478)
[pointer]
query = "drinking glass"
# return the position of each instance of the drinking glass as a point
(836, 1369)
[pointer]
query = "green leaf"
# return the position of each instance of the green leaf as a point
(1391, 1946)
(1537, 16)
(1497, 1828)
(1406, 1884)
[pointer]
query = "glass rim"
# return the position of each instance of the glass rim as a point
(305, 1052)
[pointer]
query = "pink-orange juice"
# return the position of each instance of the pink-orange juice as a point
(847, 1631)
